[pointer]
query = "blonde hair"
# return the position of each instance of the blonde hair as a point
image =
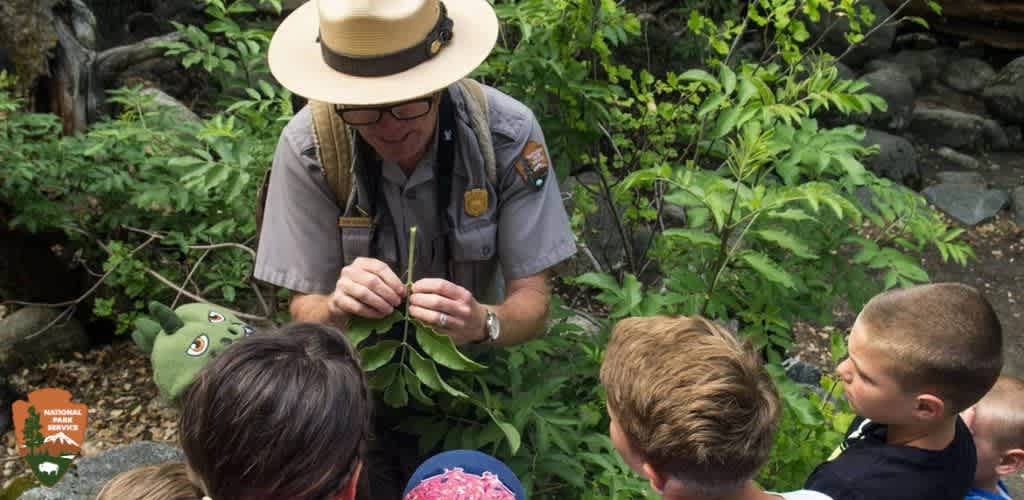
(1003, 410)
(154, 482)
(692, 399)
(942, 337)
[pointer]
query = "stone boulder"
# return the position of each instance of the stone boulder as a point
(896, 159)
(165, 103)
(910, 71)
(835, 42)
(35, 334)
(89, 475)
(961, 178)
(969, 204)
(1004, 97)
(968, 74)
(897, 91)
(959, 159)
(956, 129)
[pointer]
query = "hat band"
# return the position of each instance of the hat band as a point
(395, 62)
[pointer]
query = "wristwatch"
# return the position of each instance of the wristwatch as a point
(492, 328)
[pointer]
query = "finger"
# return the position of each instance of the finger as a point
(362, 294)
(382, 270)
(353, 307)
(375, 284)
(433, 318)
(441, 287)
(441, 304)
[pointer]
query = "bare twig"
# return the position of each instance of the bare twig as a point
(876, 28)
(582, 245)
(91, 289)
(214, 246)
(159, 277)
(61, 318)
(188, 278)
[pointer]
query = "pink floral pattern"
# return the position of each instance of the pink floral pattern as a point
(456, 484)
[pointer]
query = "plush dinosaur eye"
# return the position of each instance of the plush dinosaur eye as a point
(198, 346)
(215, 317)
(248, 330)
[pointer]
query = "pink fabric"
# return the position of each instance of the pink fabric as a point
(455, 484)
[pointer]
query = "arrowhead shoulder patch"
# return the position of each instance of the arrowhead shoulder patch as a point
(533, 165)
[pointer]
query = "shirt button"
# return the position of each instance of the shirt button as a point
(485, 251)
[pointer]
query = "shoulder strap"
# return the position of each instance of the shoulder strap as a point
(333, 149)
(477, 108)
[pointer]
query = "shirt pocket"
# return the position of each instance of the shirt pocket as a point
(473, 256)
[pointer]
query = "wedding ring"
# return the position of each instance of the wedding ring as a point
(442, 320)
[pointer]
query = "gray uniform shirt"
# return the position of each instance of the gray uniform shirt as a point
(523, 231)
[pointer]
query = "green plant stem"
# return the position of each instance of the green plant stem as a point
(408, 288)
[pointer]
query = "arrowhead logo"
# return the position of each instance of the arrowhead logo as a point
(49, 429)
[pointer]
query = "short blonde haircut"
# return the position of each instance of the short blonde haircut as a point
(692, 399)
(942, 337)
(155, 482)
(1003, 411)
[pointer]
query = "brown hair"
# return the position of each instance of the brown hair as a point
(1003, 409)
(696, 402)
(942, 337)
(154, 482)
(283, 415)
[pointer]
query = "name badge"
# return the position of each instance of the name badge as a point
(363, 222)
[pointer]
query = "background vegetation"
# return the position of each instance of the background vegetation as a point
(780, 220)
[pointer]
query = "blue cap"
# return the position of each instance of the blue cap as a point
(470, 462)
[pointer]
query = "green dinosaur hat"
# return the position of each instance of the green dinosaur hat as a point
(182, 341)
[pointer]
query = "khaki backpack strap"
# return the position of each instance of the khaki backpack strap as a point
(476, 105)
(334, 150)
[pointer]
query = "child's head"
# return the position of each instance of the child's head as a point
(154, 482)
(922, 354)
(284, 415)
(691, 407)
(997, 422)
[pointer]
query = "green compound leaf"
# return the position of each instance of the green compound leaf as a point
(359, 329)
(396, 396)
(768, 268)
(443, 350)
(426, 372)
(382, 379)
(511, 434)
(412, 382)
(378, 355)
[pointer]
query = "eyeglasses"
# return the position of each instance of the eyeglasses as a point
(408, 110)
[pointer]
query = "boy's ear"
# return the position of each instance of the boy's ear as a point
(349, 491)
(657, 480)
(929, 407)
(1011, 462)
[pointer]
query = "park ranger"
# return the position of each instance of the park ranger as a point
(396, 137)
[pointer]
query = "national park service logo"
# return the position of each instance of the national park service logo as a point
(50, 430)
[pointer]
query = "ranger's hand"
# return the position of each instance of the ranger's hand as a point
(366, 288)
(448, 307)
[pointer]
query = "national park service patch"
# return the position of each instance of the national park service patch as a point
(49, 430)
(533, 164)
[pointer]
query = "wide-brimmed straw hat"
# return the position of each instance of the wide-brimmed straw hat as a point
(368, 52)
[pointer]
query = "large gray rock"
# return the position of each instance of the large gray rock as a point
(968, 74)
(875, 46)
(957, 177)
(1018, 205)
(910, 71)
(947, 127)
(895, 160)
(89, 475)
(1004, 97)
(897, 91)
(959, 159)
(164, 103)
(970, 204)
(35, 334)
(929, 62)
